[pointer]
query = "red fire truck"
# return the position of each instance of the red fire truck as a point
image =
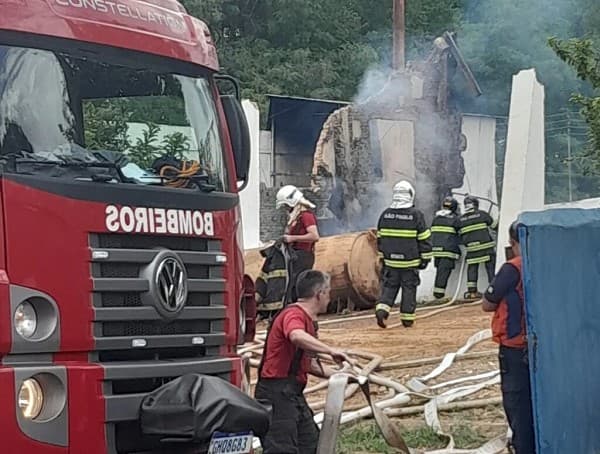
(114, 279)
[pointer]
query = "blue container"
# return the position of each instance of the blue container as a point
(561, 266)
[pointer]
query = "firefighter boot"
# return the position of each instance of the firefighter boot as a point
(408, 323)
(473, 295)
(382, 312)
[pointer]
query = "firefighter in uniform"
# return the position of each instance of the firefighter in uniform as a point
(475, 234)
(301, 234)
(504, 297)
(403, 241)
(446, 244)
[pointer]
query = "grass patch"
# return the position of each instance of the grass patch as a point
(466, 437)
(366, 438)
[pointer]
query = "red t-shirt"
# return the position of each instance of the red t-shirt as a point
(300, 226)
(279, 351)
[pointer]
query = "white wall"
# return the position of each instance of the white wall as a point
(480, 180)
(250, 196)
(585, 204)
(524, 163)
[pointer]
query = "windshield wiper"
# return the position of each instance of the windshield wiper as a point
(68, 163)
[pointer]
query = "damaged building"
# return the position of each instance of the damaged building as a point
(410, 129)
(347, 156)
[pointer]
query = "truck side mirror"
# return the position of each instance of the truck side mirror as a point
(238, 127)
(240, 137)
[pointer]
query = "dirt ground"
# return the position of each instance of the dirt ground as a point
(429, 338)
(433, 336)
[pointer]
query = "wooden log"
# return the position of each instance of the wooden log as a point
(452, 406)
(331, 256)
(364, 269)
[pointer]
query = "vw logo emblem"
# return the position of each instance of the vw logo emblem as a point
(171, 284)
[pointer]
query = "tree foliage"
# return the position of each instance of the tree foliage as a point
(584, 57)
(313, 48)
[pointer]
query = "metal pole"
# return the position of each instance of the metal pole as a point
(399, 31)
(569, 155)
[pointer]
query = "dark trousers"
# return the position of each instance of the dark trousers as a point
(444, 267)
(473, 273)
(516, 398)
(292, 430)
(300, 261)
(408, 280)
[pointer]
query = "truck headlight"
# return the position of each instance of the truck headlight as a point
(31, 399)
(25, 320)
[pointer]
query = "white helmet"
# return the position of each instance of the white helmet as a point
(403, 195)
(291, 196)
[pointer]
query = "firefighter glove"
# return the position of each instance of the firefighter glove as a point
(424, 264)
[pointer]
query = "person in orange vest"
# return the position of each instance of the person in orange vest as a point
(504, 297)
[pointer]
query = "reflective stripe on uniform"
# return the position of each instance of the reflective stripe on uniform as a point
(474, 247)
(445, 255)
(439, 290)
(494, 224)
(471, 284)
(273, 274)
(477, 260)
(473, 228)
(402, 263)
(443, 229)
(396, 233)
(383, 307)
(405, 316)
(426, 255)
(424, 235)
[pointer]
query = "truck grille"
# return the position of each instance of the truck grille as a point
(118, 263)
(138, 348)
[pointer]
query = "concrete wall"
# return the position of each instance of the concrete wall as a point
(266, 158)
(586, 204)
(250, 196)
(524, 164)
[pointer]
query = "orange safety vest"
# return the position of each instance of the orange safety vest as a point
(506, 331)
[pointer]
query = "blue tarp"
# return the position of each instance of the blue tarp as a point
(561, 254)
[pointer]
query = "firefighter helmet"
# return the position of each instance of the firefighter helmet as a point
(471, 203)
(403, 193)
(451, 204)
(288, 195)
(291, 196)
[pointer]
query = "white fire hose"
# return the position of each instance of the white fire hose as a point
(333, 415)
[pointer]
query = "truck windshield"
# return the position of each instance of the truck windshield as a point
(58, 107)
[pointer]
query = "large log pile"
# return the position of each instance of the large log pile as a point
(350, 259)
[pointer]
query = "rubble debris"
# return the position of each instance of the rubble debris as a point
(409, 129)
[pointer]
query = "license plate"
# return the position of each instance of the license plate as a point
(240, 443)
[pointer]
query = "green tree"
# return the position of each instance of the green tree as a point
(313, 48)
(145, 150)
(106, 125)
(583, 56)
(175, 145)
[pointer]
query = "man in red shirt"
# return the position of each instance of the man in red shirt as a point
(301, 234)
(288, 357)
(504, 297)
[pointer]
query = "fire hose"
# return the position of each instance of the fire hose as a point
(342, 385)
(332, 416)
